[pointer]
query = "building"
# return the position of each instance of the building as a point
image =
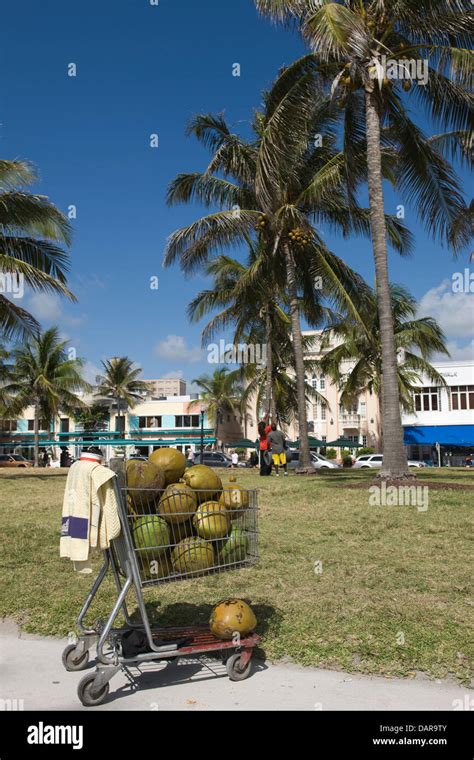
(441, 429)
(177, 421)
(167, 387)
(328, 420)
(442, 421)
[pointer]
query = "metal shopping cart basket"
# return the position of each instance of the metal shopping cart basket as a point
(166, 537)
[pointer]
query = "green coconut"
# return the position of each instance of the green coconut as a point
(204, 480)
(192, 555)
(145, 480)
(211, 520)
(178, 503)
(151, 537)
(171, 461)
(235, 548)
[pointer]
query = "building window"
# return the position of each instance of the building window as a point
(323, 411)
(43, 425)
(324, 438)
(322, 382)
(315, 411)
(314, 382)
(187, 420)
(64, 425)
(427, 400)
(149, 422)
(462, 397)
(364, 441)
(7, 426)
(362, 410)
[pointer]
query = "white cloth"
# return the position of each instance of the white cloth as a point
(90, 515)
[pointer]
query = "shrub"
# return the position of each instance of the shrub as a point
(366, 450)
(347, 461)
(331, 453)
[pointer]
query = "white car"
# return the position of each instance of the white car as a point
(373, 461)
(317, 460)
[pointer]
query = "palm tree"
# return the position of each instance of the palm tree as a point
(276, 188)
(248, 302)
(5, 374)
(44, 377)
(31, 232)
(120, 382)
(349, 39)
(220, 394)
(416, 341)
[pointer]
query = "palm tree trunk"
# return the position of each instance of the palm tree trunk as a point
(36, 435)
(305, 461)
(394, 456)
(269, 362)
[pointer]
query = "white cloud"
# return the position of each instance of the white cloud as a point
(453, 311)
(48, 308)
(175, 374)
(175, 348)
(90, 372)
(460, 353)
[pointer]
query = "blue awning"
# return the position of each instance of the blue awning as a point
(445, 435)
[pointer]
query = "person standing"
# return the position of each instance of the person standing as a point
(264, 449)
(191, 457)
(277, 443)
(235, 459)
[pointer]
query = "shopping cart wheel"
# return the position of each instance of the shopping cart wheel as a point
(71, 662)
(234, 669)
(86, 693)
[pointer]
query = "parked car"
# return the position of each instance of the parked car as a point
(317, 460)
(373, 461)
(14, 460)
(213, 459)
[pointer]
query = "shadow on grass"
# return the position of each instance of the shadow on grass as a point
(184, 613)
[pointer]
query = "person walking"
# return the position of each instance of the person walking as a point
(277, 443)
(264, 449)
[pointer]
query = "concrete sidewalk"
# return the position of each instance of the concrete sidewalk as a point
(31, 670)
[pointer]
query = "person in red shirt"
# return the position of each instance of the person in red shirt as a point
(263, 430)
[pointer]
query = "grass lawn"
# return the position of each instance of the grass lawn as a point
(394, 595)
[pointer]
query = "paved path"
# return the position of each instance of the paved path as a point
(31, 670)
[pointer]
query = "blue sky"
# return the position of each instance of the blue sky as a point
(144, 69)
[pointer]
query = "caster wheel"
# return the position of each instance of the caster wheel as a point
(234, 671)
(70, 662)
(86, 693)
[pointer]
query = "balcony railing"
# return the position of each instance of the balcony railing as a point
(350, 419)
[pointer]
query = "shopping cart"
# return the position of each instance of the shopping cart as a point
(165, 538)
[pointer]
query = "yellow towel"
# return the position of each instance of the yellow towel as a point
(90, 516)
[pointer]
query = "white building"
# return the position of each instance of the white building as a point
(444, 416)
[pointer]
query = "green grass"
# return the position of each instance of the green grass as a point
(387, 573)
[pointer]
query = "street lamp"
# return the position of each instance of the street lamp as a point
(202, 435)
